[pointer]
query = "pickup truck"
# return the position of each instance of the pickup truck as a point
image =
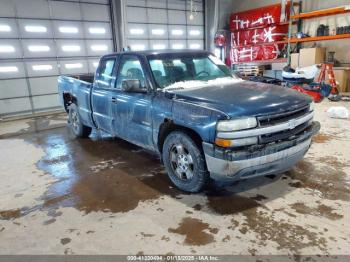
(204, 122)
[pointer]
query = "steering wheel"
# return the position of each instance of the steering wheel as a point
(203, 72)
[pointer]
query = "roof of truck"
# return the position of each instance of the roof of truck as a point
(164, 51)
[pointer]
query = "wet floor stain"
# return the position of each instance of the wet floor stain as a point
(228, 203)
(330, 181)
(65, 241)
(320, 210)
(286, 235)
(333, 162)
(259, 197)
(50, 221)
(195, 231)
(39, 123)
(96, 175)
(143, 234)
(322, 138)
(227, 238)
(10, 214)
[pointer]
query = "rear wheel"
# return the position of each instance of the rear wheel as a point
(78, 129)
(184, 162)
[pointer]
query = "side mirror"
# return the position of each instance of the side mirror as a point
(132, 86)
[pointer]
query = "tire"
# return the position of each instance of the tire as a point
(79, 130)
(184, 162)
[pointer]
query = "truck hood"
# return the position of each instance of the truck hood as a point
(237, 98)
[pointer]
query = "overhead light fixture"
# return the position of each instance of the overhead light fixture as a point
(39, 48)
(8, 69)
(195, 46)
(158, 46)
(35, 28)
(95, 64)
(42, 67)
(195, 32)
(177, 46)
(73, 66)
(97, 30)
(7, 49)
(68, 30)
(71, 48)
(5, 28)
(177, 32)
(138, 47)
(99, 47)
(158, 31)
(136, 31)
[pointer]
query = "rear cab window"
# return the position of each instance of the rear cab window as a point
(105, 76)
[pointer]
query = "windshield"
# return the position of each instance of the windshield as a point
(167, 71)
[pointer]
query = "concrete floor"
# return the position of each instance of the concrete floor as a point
(104, 196)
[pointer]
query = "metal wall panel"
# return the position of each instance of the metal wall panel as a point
(160, 24)
(9, 106)
(43, 85)
(13, 88)
(41, 39)
(32, 8)
(46, 101)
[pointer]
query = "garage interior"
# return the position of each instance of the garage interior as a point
(105, 196)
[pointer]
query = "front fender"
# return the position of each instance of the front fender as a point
(199, 118)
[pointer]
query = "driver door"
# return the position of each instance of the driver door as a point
(133, 110)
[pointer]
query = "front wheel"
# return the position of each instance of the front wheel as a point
(184, 162)
(79, 130)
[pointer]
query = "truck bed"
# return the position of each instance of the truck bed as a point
(85, 77)
(75, 88)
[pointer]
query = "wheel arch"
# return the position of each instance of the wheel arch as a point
(169, 126)
(69, 99)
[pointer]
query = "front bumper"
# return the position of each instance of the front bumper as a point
(230, 165)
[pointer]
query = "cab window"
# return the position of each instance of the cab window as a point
(105, 76)
(130, 68)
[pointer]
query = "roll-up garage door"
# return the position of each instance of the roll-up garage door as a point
(41, 39)
(164, 24)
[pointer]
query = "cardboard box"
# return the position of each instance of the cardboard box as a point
(311, 56)
(342, 76)
(294, 60)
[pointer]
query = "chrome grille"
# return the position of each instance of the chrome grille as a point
(282, 118)
(271, 120)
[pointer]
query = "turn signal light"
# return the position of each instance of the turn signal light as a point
(223, 142)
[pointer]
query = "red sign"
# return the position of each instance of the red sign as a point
(252, 32)
(263, 16)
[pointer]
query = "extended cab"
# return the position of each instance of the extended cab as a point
(187, 106)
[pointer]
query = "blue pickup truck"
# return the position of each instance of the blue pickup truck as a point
(204, 122)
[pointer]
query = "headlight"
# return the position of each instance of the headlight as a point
(238, 124)
(312, 106)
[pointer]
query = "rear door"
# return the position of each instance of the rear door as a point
(133, 111)
(102, 93)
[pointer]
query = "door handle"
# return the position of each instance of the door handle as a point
(114, 100)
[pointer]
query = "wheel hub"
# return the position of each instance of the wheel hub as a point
(182, 162)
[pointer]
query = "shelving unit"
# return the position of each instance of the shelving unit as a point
(319, 38)
(324, 12)
(309, 15)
